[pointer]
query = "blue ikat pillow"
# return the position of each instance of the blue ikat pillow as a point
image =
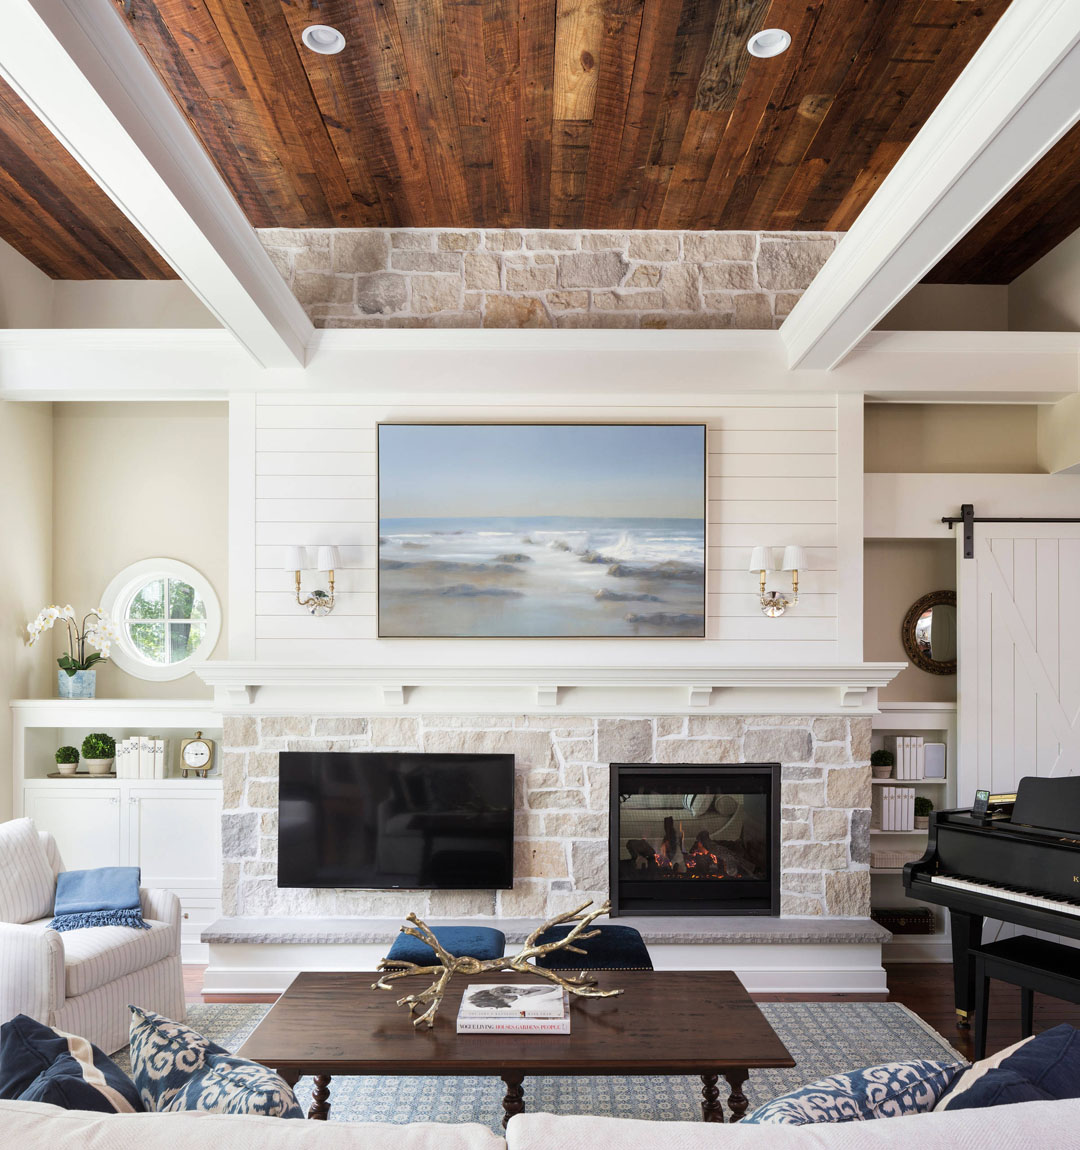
(877, 1092)
(175, 1068)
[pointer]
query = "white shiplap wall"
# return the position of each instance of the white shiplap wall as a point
(772, 480)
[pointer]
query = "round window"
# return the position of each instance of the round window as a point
(168, 617)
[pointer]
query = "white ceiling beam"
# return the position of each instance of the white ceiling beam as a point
(1016, 98)
(76, 65)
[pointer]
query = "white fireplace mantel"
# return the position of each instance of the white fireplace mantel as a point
(819, 689)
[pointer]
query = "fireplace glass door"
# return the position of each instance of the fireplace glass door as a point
(695, 839)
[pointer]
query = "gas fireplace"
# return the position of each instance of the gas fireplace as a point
(701, 840)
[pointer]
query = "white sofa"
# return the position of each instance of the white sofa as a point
(1028, 1126)
(81, 981)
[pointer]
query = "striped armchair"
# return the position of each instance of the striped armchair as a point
(82, 981)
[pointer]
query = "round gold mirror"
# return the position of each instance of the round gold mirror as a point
(929, 633)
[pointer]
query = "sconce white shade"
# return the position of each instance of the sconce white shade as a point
(295, 559)
(329, 559)
(760, 559)
(794, 559)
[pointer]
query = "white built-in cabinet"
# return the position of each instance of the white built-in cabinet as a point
(170, 828)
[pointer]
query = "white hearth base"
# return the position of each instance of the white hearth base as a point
(770, 956)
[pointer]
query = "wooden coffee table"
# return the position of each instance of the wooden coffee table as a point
(666, 1022)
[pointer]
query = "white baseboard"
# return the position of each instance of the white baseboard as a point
(841, 968)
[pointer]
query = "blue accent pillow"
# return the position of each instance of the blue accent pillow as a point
(1044, 1067)
(475, 941)
(885, 1091)
(39, 1064)
(175, 1068)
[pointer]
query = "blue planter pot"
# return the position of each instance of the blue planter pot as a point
(81, 685)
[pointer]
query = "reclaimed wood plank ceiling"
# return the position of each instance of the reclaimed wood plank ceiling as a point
(558, 113)
(608, 114)
(54, 214)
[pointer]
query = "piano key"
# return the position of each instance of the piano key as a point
(1009, 894)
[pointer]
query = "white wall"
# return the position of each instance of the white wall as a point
(25, 564)
(1047, 296)
(772, 480)
(135, 481)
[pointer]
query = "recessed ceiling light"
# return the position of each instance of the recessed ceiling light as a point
(768, 42)
(323, 39)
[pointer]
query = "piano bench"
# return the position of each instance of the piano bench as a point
(1030, 963)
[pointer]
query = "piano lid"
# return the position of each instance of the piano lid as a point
(1048, 804)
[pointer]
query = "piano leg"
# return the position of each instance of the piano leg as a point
(966, 934)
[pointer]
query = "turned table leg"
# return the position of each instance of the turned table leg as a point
(514, 1102)
(711, 1110)
(320, 1098)
(291, 1077)
(737, 1099)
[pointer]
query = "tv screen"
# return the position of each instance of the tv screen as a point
(390, 821)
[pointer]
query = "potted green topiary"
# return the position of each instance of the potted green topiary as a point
(98, 752)
(923, 807)
(67, 760)
(882, 763)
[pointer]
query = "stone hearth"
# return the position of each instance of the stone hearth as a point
(561, 803)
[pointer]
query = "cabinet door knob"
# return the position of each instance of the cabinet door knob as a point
(186, 915)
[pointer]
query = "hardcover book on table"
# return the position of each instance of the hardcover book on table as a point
(523, 1008)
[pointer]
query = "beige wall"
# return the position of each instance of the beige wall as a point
(29, 299)
(950, 307)
(128, 304)
(897, 572)
(1047, 296)
(25, 292)
(25, 564)
(952, 437)
(1059, 436)
(135, 481)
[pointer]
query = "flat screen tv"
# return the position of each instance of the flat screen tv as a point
(395, 821)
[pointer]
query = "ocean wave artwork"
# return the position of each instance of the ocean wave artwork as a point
(541, 531)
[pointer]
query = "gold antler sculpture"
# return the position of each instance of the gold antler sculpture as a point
(448, 965)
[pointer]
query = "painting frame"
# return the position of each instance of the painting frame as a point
(699, 629)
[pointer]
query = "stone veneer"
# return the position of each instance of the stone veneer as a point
(561, 848)
(500, 278)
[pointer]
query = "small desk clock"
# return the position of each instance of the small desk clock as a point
(197, 755)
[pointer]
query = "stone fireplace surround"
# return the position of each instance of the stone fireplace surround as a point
(562, 800)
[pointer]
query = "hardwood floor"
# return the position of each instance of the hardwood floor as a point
(925, 988)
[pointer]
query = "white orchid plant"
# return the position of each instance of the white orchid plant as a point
(95, 629)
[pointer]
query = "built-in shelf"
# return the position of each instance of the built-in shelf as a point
(874, 831)
(909, 782)
(886, 870)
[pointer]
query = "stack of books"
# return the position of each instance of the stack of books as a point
(142, 757)
(897, 808)
(910, 754)
(514, 1008)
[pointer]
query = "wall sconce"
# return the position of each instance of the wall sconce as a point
(773, 603)
(319, 603)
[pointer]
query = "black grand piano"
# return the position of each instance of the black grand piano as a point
(1018, 863)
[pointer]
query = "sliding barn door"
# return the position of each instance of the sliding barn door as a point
(1019, 661)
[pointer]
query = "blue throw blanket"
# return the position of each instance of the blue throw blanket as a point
(108, 896)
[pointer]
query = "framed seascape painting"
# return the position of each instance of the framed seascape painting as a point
(541, 530)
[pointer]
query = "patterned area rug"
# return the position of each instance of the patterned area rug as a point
(824, 1038)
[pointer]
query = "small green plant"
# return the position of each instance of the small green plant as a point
(67, 755)
(923, 806)
(98, 746)
(883, 759)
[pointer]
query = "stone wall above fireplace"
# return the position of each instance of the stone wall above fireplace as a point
(562, 799)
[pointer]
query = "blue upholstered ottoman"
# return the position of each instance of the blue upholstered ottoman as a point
(475, 941)
(614, 948)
